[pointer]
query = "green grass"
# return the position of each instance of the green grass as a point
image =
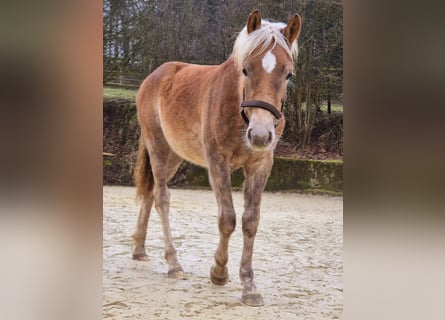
(119, 93)
(334, 107)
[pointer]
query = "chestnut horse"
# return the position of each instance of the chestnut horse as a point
(222, 118)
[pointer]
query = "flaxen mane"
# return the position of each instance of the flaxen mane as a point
(269, 34)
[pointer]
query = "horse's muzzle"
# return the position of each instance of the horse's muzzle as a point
(259, 137)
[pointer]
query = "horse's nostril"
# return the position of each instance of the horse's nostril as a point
(249, 134)
(270, 137)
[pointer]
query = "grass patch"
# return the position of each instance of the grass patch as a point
(334, 108)
(119, 93)
(324, 107)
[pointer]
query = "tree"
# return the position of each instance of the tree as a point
(318, 68)
(140, 35)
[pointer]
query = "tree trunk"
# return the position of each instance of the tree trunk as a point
(308, 115)
(329, 102)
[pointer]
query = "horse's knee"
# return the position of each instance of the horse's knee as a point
(250, 225)
(161, 197)
(227, 223)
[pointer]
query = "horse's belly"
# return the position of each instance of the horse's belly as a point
(191, 154)
(186, 144)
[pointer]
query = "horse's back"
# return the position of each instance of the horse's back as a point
(174, 80)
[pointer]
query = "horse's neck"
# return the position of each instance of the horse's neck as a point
(231, 79)
(229, 68)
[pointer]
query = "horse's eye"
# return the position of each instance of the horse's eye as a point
(245, 71)
(289, 76)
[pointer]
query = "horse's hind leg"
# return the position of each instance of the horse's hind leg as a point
(164, 164)
(144, 185)
(141, 227)
(160, 167)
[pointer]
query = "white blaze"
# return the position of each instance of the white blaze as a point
(269, 61)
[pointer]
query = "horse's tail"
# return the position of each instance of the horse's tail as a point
(143, 176)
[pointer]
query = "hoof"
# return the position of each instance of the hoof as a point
(176, 273)
(220, 281)
(140, 256)
(252, 299)
(251, 296)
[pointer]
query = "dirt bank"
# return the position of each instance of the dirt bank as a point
(297, 259)
(120, 142)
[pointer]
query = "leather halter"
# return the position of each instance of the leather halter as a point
(262, 105)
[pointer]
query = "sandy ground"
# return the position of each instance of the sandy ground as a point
(297, 259)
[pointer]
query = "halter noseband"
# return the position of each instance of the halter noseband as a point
(262, 105)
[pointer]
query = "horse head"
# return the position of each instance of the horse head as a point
(264, 53)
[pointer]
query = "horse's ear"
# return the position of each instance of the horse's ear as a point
(292, 29)
(254, 21)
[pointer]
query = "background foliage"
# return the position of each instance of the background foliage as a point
(140, 35)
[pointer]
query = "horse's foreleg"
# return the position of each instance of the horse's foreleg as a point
(219, 175)
(254, 184)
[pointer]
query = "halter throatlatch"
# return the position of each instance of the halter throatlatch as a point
(260, 104)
